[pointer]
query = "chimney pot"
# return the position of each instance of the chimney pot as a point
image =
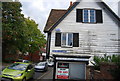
(70, 3)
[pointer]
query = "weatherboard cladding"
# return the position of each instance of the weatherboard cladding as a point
(97, 39)
(57, 15)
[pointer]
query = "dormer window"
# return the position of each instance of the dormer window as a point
(89, 16)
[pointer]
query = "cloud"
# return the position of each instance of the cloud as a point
(113, 4)
(39, 10)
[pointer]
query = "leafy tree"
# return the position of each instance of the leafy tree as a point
(35, 38)
(19, 33)
(12, 23)
(109, 59)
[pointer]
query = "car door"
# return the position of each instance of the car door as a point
(30, 71)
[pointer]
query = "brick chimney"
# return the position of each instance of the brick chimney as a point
(71, 3)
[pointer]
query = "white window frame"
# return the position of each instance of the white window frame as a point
(89, 16)
(66, 40)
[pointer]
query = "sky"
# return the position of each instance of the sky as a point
(39, 10)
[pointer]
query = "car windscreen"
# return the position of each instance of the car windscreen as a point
(41, 64)
(18, 66)
(19, 61)
(26, 61)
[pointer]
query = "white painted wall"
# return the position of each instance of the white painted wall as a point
(119, 8)
(103, 38)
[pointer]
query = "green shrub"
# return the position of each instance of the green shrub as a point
(108, 59)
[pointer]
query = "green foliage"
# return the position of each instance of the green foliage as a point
(12, 23)
(35, 38)
(19, 33)
(105, 58)
(109, 59)
(116, 72)
(96, 62)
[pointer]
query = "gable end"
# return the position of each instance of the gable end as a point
(68, 11)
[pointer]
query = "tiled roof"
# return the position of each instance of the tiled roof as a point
(54, 16)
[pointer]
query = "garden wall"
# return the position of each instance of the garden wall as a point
(103, 74)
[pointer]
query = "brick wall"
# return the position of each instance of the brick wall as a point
(103, 74)
(105, 70)
(35, 57)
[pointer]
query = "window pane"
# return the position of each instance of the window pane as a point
(64, 39)
(70, 39)
(85, 20)
(85, 11)
(92, 15)
(85, 16)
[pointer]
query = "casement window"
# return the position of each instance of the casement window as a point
(89, 16)
(67, 39)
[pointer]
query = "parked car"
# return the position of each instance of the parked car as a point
(18, 72)
(21, 60)
(50, 64)
(41, 66)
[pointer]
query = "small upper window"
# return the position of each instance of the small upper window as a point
(89, 16)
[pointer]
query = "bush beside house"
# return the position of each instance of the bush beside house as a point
(105, 68)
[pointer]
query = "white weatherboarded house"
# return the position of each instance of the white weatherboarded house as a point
(86, 28)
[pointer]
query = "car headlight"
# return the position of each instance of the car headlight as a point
(19, 75)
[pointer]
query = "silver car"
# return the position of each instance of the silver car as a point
(41, 66)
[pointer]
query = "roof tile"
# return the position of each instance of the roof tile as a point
(55, 15)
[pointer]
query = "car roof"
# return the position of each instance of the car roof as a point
(22, 63)
(42, 62)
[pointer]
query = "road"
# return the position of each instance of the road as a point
(39, 76)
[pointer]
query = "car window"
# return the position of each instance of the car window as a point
(18, 66)
(30, 67)
(25, 61)
(19, 61)
(41, 64)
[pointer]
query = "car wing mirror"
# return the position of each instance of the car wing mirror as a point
(28, 70)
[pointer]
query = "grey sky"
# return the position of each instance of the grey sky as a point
(39, 10)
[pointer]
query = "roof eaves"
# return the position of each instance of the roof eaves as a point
(54, 23)
(110, 11)
(47, 21)
(47, 29)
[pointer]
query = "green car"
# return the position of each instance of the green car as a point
(18, 72)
